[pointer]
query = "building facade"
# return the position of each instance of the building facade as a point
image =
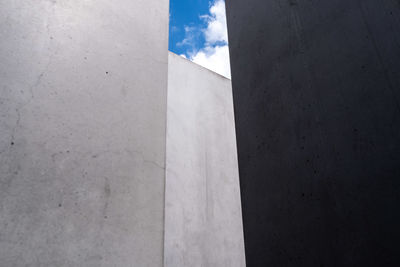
(316, 96)
(83, 142)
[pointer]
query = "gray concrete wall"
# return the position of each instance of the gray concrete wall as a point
(203, 224)
(83, 91)
(316, 93)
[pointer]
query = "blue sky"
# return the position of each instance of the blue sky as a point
(197, 31)
(185, 13)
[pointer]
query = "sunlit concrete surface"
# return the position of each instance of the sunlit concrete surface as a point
(83, 93)
(203, 223)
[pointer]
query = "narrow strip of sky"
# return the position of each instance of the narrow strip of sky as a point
(197, 31)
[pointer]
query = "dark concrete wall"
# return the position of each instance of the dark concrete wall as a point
(316, 93)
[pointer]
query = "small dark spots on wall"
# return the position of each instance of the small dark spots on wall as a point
(315, 172)
(105, 217)
(107, 190)
(106, 72)
(85, 58)
(355, 130)
(94, 156)
(51, 37)
(308, 161)
(302, 148)
(59, 205)
(12, 143)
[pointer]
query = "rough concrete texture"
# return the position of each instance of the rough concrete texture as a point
(316, 93)
(83, 90)
(203, 223)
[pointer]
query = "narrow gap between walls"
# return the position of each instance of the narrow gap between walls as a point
(198, 32)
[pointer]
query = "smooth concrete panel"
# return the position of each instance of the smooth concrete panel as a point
(83, 91)
(316, 87)
(203, 224)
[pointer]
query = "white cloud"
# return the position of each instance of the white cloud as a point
(215, 53)
(189, 36)
(216, 30)
(214, 58)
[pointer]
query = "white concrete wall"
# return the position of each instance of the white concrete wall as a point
(83, 91)
(203, 223)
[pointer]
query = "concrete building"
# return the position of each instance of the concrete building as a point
(83, 141)
(83, 118)
(316, 96)
(115, 153)
(203, 220)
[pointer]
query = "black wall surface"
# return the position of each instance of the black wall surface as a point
(316, 88)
